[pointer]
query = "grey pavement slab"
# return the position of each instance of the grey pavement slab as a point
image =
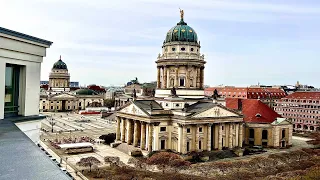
(21, 159)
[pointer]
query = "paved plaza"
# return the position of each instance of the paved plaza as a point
(74, 125)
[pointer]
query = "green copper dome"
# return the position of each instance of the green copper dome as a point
(85, 92)
(181, 33)
(60, 65)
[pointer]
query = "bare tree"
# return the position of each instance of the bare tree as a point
(88, 162)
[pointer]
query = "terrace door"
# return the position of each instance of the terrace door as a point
(11, 97)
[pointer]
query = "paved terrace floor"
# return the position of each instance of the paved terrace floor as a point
(21, 159)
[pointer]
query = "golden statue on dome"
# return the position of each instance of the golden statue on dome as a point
(181, 13)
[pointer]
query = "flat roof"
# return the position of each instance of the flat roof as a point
(20, 158)
(75, 145)
(24, 36)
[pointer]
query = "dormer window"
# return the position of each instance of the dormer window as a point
(258, 115)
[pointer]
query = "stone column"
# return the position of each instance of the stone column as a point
(143, 135)
(184, 141)
(197, 138)
(230, 135)
(150, 138)
(180, 140)
(237, 134)
(187, 77)
(290, 136)
(202, 77)
(240, 134)
(176, 84)
(209, 137)
(220, 137)
(129, 131)
(164, 84)
(118, 129)
(123, 130)
(158, 77)
(198, 77)
(135, 137)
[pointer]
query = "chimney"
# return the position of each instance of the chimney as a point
(240, 104)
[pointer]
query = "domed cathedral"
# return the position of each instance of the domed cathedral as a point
(179, 117)
(181, 65)
(59, 77)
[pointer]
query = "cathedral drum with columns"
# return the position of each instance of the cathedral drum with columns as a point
(181, 65)
(179, 118)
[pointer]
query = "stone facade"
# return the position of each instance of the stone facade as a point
(67, 101)
(181, 131)
(269, 135)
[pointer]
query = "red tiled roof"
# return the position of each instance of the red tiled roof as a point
(247, 93)
(253, 107)
(304, 95)
(232, 103)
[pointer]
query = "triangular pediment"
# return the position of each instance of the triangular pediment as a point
(215, 112)
(63, 96)
(134, 110)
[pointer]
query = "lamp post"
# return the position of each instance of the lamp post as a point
(52, 123)
(66, 163)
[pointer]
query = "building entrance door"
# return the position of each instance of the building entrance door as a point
(11, 97)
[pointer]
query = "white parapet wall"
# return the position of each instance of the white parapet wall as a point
(183, 93)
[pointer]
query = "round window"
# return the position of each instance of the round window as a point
(191, 49)
(173, 49)
(183, 49)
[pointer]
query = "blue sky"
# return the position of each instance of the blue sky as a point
(110, 42)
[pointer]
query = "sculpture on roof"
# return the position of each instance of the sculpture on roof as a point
(215, 94)
(173, 92)
(134, 94)
(181, 13)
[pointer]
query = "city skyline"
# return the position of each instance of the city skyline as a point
(244, 42)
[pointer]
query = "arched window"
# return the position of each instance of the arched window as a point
(251, 133)
(311, 128)
(171, 82)
(182, 81)
(305, 127)
(283, 133)
(265, 134)
(298, 126)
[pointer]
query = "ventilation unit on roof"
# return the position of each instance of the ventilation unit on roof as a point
(258, 115)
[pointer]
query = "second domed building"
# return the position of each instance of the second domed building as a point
(59, 96)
